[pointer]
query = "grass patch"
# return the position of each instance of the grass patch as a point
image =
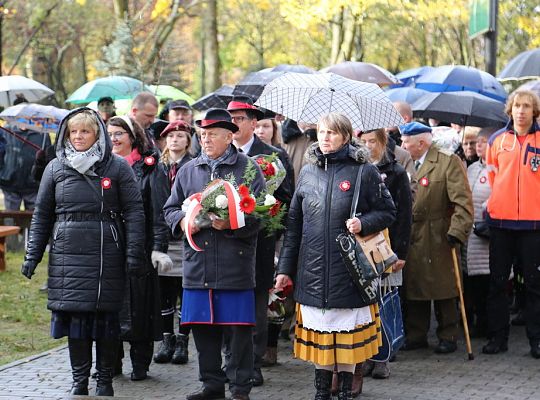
(24, 317)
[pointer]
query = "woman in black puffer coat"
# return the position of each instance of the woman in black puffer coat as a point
(89, 202)
(334, 325)
(140, 317)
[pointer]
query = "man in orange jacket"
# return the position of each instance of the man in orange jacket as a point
(513, 162)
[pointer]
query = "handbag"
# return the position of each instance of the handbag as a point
(481, 229)
(366, 257)
(392, 331)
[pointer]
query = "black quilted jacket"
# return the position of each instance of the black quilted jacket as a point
(89, 249)
(319, 209)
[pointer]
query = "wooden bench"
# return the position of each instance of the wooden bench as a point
(5, 231)
(17, 218)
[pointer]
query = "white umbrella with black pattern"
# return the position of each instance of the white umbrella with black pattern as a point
(306, 98)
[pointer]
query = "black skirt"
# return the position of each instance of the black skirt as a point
(85, 325)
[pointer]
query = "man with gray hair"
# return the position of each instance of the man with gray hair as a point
(442, 219)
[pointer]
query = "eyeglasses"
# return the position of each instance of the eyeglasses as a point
(116, 135)
(238, 119)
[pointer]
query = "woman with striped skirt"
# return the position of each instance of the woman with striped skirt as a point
(335, 327)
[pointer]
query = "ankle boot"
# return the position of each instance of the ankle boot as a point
(180, 355)
(106, 353)
(358, 379)
(323, 384)
(80, 355)
(270, 357)
(345, 380)
(166, 349)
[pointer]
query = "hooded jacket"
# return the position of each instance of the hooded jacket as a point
(319, 209)
(89, 248)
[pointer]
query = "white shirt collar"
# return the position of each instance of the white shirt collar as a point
(247, 147)
(423, 158)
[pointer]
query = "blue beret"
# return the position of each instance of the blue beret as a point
(413, 128)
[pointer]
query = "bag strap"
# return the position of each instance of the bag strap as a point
(356, 194)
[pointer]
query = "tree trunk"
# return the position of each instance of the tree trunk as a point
(121, 9)
(337, 36)
(211, 47)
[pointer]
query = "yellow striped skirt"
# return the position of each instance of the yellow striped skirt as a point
(351, 347)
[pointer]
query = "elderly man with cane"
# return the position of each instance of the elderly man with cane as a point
(442, 220)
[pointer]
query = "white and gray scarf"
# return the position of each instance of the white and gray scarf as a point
(82, 161)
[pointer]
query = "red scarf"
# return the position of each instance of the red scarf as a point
(133, 157)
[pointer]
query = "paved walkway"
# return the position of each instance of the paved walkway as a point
(418, 375)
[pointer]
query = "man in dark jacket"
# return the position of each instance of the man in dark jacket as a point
(245, 115)
(16, 180)
(219, 280)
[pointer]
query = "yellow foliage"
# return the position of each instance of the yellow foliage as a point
(81, 2)
(532, 27)
(161, 9)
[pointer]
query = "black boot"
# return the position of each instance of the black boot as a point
(141, 357)
(166, 349)
(180, 355)
(345, 381)
(323, 384)
(80, 355)
(106, 353)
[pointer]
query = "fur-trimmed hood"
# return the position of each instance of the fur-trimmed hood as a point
(352, 150)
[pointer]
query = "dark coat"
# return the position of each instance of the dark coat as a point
(16, 164)
(88, 255)
(397, 181)
(266, 245)
(228, 259)
(319, 209)
(140, 318)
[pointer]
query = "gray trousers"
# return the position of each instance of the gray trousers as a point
(13, 200)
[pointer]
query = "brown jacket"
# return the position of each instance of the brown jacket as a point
(443, 206)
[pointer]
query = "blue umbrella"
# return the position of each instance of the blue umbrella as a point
(455, 78)
(408, 94)
(524, 66)
(409, 76)
(37, 117)
(116, 87)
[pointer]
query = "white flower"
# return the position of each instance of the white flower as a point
(269, 200)
(222, 202)
(185, 205)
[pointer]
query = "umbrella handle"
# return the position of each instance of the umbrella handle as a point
(19, 137)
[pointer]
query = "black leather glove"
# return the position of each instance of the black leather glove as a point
(28, 268)
(136, 270)
(453, 241)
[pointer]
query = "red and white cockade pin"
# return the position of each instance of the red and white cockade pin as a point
(483, 179)
(149, 160)
(424, 181)
(344, 186)
(106, 183)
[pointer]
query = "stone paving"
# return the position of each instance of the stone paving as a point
(418, 375)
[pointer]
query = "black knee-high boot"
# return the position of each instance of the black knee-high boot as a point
(80, 355)
(141, 357)
(106, 351)
(345, 381)
(323, 384)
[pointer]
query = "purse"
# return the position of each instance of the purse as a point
(366, 257)
(481, 229)
(393, 335)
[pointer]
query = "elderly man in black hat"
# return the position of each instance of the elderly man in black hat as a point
(245, 115)
(218, 281)
(442, 219)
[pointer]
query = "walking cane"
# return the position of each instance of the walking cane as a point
(462, 305)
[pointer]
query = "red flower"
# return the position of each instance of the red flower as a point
(269, 170)
(106, 183)
(247, 204)
(344, 186)
(260, 161)
(274, 210)
(424, 181)
(149, 160)
(243, 191)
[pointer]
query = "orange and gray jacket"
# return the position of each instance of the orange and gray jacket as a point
(514, 175)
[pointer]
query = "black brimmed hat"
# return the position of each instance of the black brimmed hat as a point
(217, 117)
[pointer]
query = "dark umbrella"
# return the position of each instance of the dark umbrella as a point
(525, 65)
(218, 99)
(531, 85)
(364, 72)
(453, 78)
(463, 108)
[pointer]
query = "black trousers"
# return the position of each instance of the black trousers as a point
(507, 247)
(170, 289)
(476, 289)
(260, 333)
(239, 367)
